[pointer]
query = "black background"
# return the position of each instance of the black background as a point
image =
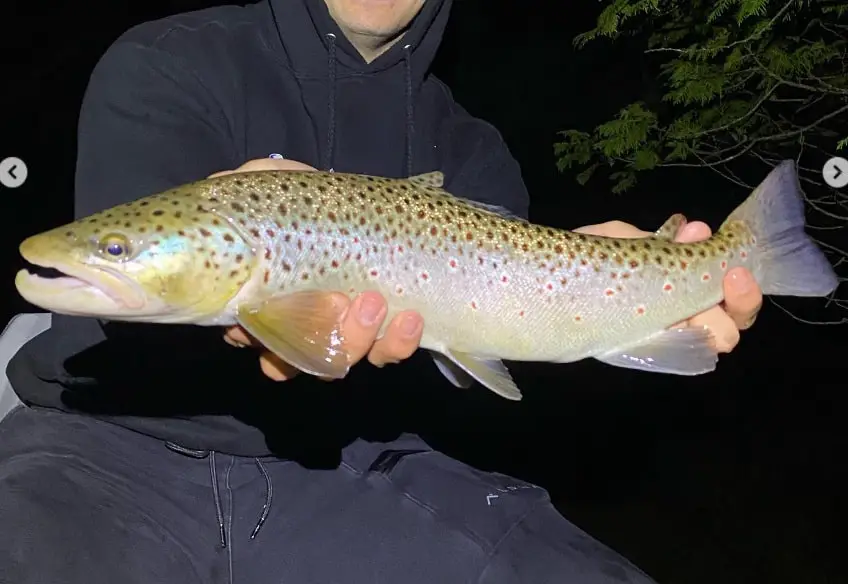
(732, 477)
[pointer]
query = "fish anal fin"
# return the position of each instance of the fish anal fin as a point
(492, 374)
(679, 351)
(303, 329)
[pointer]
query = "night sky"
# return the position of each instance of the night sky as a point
(733, 477)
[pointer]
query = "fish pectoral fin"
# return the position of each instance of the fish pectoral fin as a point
(492, 374)
(429, 179)
(303, 329)
(680, 351)
(669, 229)
(454, 373)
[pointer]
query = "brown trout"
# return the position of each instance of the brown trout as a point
(265, 249)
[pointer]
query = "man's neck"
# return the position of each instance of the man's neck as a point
(370, 46)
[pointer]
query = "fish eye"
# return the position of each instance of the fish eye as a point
(115, 246)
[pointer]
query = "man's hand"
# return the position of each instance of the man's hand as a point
(362, 319)
(742, 296)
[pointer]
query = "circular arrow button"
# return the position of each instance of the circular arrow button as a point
(835, 172)
(13, 172)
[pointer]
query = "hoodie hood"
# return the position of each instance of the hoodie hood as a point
(307, 31)
(370, 94)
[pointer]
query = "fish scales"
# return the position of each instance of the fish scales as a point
(489, 286)
(520, 289)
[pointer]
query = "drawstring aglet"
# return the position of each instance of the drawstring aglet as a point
(260, 523)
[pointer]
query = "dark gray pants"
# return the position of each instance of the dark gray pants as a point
(84, 501)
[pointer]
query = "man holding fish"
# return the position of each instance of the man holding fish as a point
(164, 472)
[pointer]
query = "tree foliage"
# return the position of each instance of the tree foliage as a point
(742, 82)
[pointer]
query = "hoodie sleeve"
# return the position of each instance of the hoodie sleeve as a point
(147, 123)
(544, 548)
(478, 165)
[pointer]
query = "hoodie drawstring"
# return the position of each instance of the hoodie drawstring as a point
(269, 494)
(410, 112)
(216, 492)
(329, 155)
(213, 471)
(331, 99)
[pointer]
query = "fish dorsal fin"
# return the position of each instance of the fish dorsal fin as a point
(429, 179)
(496, 209)
(669, 229)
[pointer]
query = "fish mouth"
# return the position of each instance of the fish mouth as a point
(76, 288)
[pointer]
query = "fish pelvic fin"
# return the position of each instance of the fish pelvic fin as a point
(461, 368)
(787, 262)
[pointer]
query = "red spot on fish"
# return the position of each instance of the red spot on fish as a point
(400, 249)
(473, 305)
(743, 254)
(355, 240)
(434, 231)
(504, 279)
(609, 291)
(521, 313)
(634, 264)
(706, 277)
(425, 276)
(723, 265)
(640, 310)
(614, 275)
(668, 287)
(683, 265)
(549, 286)
(334, 264)
(374, 273)
(270, 232)
(452, 263)
(358, 256)
(578, 318)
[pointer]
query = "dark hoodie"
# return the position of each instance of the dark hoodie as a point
(177, 99)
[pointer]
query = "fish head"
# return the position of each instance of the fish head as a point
(161, 259)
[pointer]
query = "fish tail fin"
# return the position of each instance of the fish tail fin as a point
(786, 262)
